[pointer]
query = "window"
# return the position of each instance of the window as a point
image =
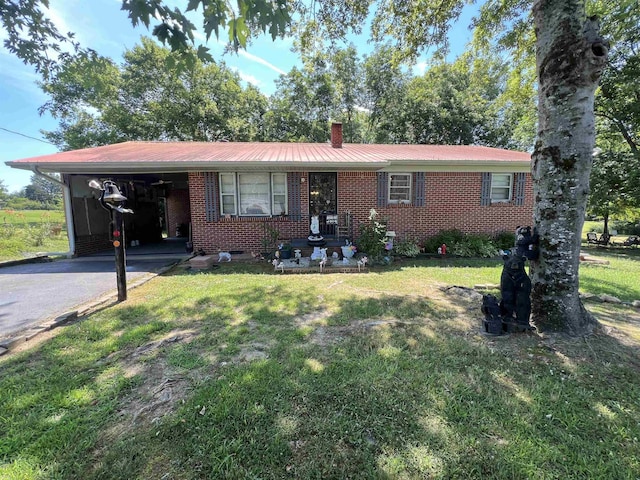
(399, 188)
(501, 186)
(228, 194)
(278, 193)
(253, 194)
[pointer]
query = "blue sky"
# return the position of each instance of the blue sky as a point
(101, 25)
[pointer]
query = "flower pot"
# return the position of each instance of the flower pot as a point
(285, 254)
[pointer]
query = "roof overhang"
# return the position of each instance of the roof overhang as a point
(133, 167)
(181, 167)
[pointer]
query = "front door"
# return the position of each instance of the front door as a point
(323, 200)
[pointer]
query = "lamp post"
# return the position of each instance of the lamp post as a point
(112, 200)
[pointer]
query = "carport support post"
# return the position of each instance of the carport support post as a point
(121, 273)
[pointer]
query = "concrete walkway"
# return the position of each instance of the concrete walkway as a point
(33, 293)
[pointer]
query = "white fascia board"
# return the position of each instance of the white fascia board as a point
(458, 166)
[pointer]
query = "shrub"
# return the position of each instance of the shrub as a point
(22, 203)
(625, 228)
(372, 236)
(407, 247)
(449, 237)
(37, 233)
(504, 240)
(463, 244)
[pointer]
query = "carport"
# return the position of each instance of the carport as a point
(160, 203)
(157, 191)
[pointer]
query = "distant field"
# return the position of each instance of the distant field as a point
(20, 217)
(24, 233)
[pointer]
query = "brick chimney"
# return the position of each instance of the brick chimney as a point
(336, 135)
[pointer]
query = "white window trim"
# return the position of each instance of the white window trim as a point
(410, 188)
(236, 195)
(510, 187)
(226, 194)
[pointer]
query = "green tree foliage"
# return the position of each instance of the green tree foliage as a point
(147, 98)
(290, 116)
(615, 185)
(4, 194)
(348, 78)
(458, 104)
(43, 191)
(618, 101)
(32, 36)
(386, 87)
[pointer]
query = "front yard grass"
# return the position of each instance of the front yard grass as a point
(241, 373)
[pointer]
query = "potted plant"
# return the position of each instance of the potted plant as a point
(285, 250)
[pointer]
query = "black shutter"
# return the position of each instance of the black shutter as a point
(485, 194)
(293, 191)
(383, 187)
(520, 180)
(418, 189)
(211, 204)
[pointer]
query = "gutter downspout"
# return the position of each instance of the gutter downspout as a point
(68, 214)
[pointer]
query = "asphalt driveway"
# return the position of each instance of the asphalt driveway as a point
(32, 293)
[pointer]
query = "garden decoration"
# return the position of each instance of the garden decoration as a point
(515, 288)
(224, 257)
(348, 250)
(514, 310)
(492, 316)
(527, 243)
(315, 239)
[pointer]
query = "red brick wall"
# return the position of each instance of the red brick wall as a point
(241, 233)
(88, 244)
(178, 210)
(452, 200)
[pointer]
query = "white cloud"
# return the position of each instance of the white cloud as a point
(419, 68)
(15, 74)
(261, 61)
(59, 13)
(246, 77)
(249, 56)
(358, 108)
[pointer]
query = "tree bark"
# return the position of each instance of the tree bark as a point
(570, 56)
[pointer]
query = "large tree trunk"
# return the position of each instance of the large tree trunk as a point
(570, 56)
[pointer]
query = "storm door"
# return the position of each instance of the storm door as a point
(323, 200)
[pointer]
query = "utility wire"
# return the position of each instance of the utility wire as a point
(27, 136)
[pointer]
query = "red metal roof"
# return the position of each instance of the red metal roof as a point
(203, 154)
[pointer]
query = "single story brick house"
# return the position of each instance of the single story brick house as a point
(228, 195)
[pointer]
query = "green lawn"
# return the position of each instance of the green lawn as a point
(23, 233)
(241, 373)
